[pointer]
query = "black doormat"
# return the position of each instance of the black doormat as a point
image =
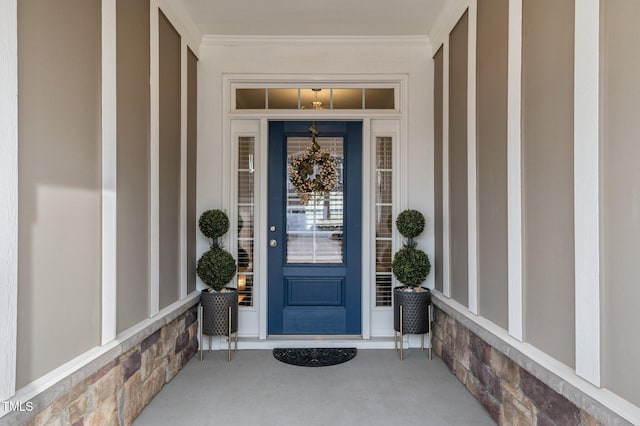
(314, 357)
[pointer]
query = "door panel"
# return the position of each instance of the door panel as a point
(314, 274)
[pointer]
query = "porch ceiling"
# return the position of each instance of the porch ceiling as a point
(314, 18)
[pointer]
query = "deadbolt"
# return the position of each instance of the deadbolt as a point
(272, 228)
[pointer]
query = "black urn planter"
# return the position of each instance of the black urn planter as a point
(216, 316)
(414, 317)
(415, 309)
(215, 305)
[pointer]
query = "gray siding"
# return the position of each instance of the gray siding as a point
(133, 162)
(170, 134)
(458, 213)
(192, 140)
(59, 246)
(493, 24)
(547, 148)
(620, 198)
(438, 60)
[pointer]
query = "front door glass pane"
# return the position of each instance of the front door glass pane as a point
(314, 230)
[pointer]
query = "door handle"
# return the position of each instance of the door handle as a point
(273, 243)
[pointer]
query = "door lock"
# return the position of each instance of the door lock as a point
(273, 243)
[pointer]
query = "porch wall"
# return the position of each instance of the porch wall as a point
(492, 96)
(169, 146)
(438, 226)
(115, 388)
(569, 295)
(620, 199)
(458, 178)
(547, 173)
(59, 242)
(88, 271)
(134, 109)
(503, 382)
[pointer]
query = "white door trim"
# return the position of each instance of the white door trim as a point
(398, 115)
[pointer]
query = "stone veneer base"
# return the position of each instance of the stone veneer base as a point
(506, 387)
(114, 388)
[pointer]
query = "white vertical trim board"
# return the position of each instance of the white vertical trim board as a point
(8, 196)
(368, 233)
(401, 174)
(183, 169)
(586, 190)
(446, 219)
(154, 166)
(109, 172)
(472, 176)
(261, 234)
(514, 170)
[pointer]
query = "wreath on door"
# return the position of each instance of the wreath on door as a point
(314, 171)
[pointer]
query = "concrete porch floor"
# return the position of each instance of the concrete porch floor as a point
(375, 388)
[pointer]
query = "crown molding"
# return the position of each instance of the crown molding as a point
(235, 40)
(449, 16)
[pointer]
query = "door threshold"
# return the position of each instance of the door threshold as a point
(306, 341)
(327, 337)
(320, 341)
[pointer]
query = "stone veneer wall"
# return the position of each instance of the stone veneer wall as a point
(117, 392)
(511, 394)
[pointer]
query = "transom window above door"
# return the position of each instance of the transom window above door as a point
(315, 98)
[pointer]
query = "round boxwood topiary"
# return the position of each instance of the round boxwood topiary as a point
(216, 268)
(410, 223)
(213, 223)
(411, 266)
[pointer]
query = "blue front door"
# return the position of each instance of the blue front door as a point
(315, 273)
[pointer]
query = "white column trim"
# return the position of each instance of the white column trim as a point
(262, 212)
(109, 172)
(586, 190)
(514, 170)
(368, 238)
(8, 196)
(183, 169)
(154, 164)
(446, 220)
(472, 176)
(402, 146)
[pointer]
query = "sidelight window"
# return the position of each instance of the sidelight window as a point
(384, 219)
(245, 219)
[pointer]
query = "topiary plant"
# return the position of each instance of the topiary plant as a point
(410, 265)
(410, 223)
(216, 267)
(213, 224)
